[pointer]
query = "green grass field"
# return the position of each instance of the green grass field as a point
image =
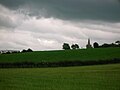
(63, 55)
(100, 77)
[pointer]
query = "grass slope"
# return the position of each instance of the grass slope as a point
(101, 77)
(63, 55)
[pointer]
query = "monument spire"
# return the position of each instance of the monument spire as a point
(88, 45)
(88, 41)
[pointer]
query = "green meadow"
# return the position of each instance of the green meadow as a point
(63, 55)
(98, 77)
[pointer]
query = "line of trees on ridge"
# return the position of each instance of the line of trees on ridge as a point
(66, 46)
(105, 45)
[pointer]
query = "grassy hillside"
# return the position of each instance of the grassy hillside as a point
(101, 77)
(63, 55)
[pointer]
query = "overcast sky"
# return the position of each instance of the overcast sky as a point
(47, 24)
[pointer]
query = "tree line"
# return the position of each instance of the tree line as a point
(106, 45)
(66, 46)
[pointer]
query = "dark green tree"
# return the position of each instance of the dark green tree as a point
(105, 45)
(117, 42)
(29, 50)
(75, 46)
(66, 46)
(96, 45)
(23, 50)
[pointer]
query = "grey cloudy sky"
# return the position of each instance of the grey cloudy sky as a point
(47, 24)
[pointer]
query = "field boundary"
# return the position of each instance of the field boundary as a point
(27, 64)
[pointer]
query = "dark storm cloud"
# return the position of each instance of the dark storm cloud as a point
(47, 24)
(104, 10)
(12, 3)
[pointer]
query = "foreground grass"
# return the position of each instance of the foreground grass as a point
(63, 55)
(101, 77)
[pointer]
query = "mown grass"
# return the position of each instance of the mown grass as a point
(101, 77)
(63, 55)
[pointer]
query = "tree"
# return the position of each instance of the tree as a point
(66, 46)
(117, 42)
(8, 52)
(75, 46)
(96, 45)
(24, 50)
(29, 50)
(105, 45)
